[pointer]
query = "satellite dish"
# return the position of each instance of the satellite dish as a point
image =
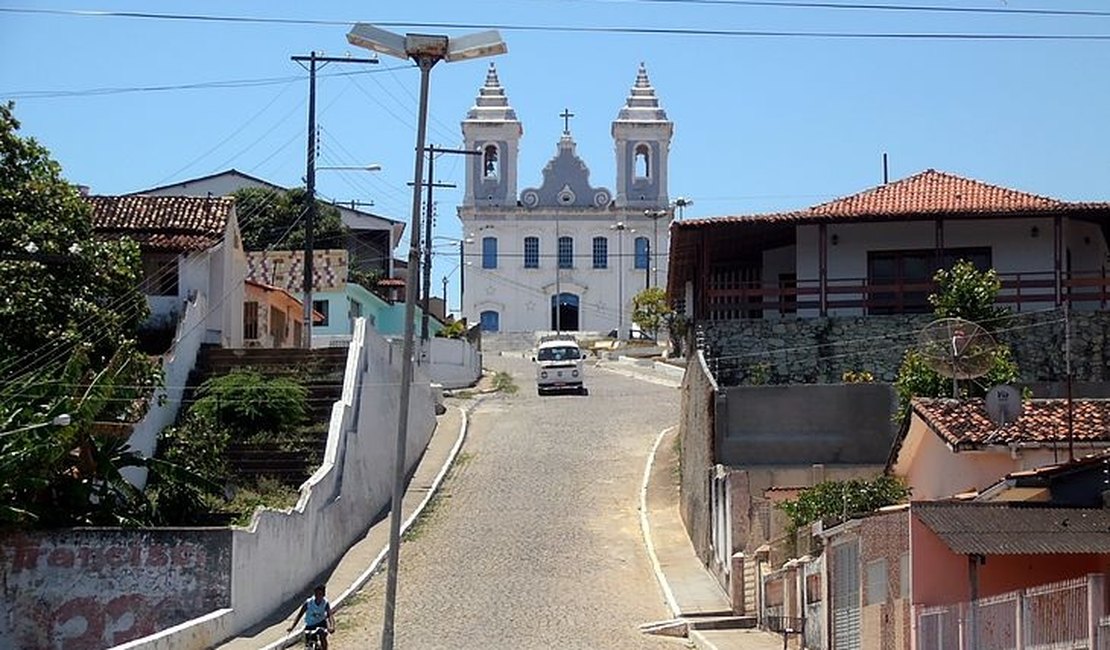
(956, 348)
(1003, 404)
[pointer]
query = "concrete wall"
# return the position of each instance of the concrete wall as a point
(451, 363)
(338, 502)
(93, 588)
(799, 425)
(696, 433)
(164, 405)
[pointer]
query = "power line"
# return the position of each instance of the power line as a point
(643, 31)
(200, 85)
(792, 4)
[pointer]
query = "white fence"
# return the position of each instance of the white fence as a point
(176, 366)
(1059, 615)
(275, 559)
(452, 363)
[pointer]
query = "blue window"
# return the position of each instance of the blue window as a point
(531, 252)
(601, 252)
(642, 252)
(566, 253)
(490, 321)
(489, 252)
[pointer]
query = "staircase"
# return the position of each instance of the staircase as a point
(293, 459)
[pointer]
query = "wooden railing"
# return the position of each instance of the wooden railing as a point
(727, 298)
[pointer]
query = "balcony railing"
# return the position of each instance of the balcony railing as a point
(729, 298)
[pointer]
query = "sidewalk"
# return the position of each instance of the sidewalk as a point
(656, 372)
(691, 592)
(367, 555)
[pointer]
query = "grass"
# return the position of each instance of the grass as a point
(503, 383)
(267, 491)
(463, 394)
(419, 527)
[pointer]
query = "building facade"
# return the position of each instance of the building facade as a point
(565, 255)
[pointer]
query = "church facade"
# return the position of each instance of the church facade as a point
(565, 255)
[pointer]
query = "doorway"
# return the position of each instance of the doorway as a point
(564, 312)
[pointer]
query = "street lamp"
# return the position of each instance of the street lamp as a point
(620, 227)
(655, 216)
(62, 420)
(681, 203)
(353, 168)
(426, 51)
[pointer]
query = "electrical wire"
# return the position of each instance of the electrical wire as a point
(508, 27)
(854, 6)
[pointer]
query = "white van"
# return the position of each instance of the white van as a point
(559, 367)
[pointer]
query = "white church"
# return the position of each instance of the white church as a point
(566, 255)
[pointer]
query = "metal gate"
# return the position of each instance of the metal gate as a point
(845, 596)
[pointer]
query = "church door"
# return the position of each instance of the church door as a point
(564, 312)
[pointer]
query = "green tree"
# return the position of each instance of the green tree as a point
(244, 400)
(276, 220)
(963, 292)
(842, 499)
(63, 288)
(966, 292)
(650, 310)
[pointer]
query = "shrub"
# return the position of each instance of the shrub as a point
(245, 401)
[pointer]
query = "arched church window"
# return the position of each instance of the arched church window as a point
(490, 162)
(642, 161)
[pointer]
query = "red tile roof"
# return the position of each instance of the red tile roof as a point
(171, 223)
(965, 423)
(930, 192)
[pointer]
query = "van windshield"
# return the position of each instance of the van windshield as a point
(558, 354)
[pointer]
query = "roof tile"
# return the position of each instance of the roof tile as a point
(930, 192)
(162, 222)
(997, 529)
(966, 423)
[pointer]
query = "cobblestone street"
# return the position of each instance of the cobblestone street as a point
(535, 539)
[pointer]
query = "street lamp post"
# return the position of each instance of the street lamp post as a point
(425, 51)
(681, 203)
(655, 216)
(620, 227)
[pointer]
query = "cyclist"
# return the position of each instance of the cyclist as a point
(316, 611)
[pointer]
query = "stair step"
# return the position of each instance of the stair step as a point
(722, 622)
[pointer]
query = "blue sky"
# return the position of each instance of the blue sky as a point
(762, 123)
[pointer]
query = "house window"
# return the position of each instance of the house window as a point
(566, 253)
(489, 252)
(899, 282)
(490, 162)
(250, 320)
(642, 161)
(876, 582)
(601, 253)
(490, 321)
(322, 307)
(531, 252)
(643, 252)
(160, 275)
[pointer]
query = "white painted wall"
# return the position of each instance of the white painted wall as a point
(1013, 248)
(176, 366)
(451, 363)
(523, 296)
(338, 502)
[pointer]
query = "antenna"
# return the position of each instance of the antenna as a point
(1003, 404)
(956, 348)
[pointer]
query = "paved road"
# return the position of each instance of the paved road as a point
(535, 542)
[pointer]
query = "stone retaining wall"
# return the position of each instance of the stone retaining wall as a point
(821, 350)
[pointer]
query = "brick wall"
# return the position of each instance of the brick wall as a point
(885, 617)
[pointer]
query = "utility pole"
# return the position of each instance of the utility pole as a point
(655, 216)
(310, 182)
(432, 151)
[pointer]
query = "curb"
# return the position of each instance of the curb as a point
(645, 526)
(294, 638)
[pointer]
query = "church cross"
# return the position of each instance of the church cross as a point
(566, 115)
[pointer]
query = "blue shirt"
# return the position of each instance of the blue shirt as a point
(315, 612)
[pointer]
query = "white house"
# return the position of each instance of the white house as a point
(190, 246)
(370, 242)
(875, 252)
(565, 255)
